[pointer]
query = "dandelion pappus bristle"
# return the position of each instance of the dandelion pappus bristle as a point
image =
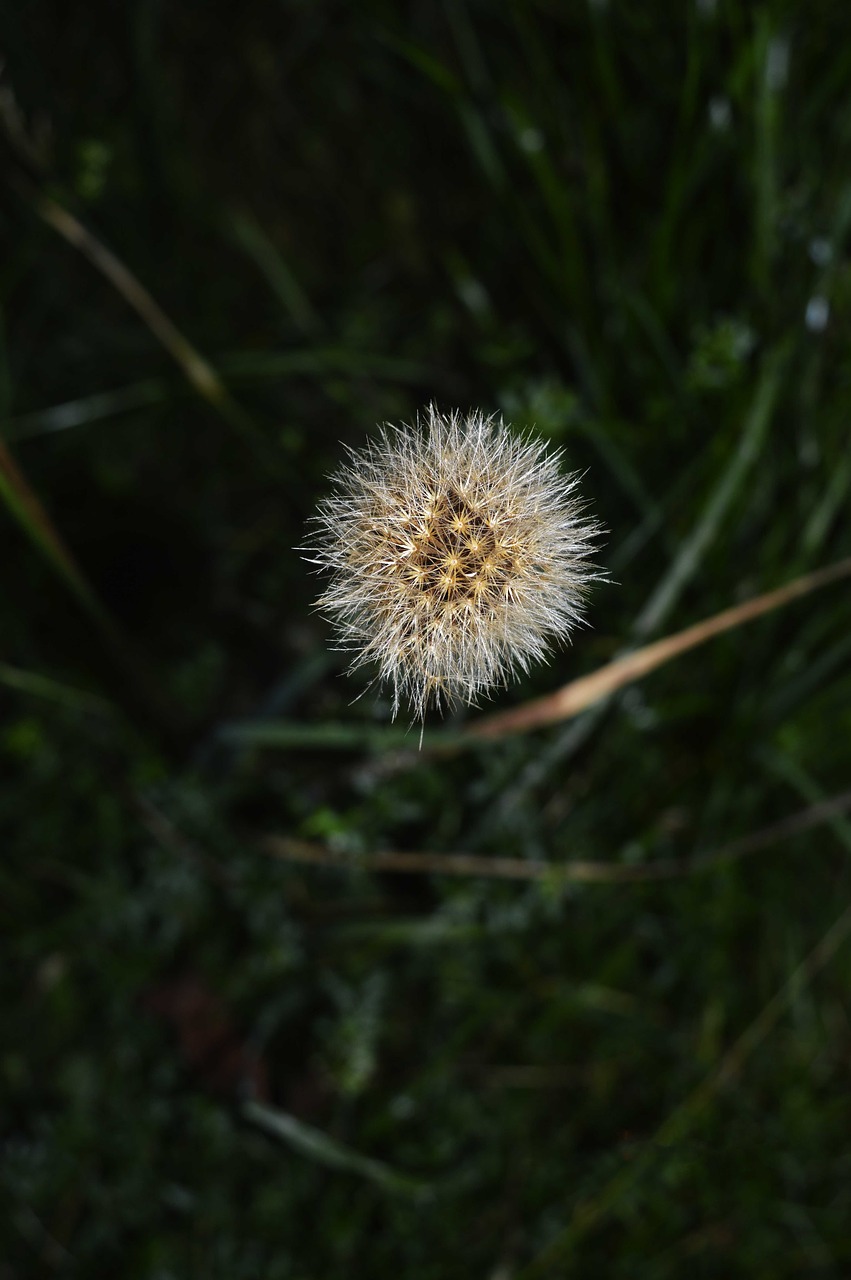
(458, 552)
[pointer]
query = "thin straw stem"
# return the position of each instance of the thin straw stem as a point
(574, 872)
(587, 690)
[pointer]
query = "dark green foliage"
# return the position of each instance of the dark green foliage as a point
(628, 225)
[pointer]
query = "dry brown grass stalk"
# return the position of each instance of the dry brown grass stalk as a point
(575, 872)
(587, 690)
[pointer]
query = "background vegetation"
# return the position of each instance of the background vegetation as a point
(627, 224)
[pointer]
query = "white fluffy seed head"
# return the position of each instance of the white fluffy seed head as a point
(457, 551)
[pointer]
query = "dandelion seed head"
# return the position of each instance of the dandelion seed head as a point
(458, 553)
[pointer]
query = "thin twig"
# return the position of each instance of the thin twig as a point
(452, 864)
(576, 872)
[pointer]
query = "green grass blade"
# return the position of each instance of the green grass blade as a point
(291, 735)
(322, 1149)
(715, 511)
(251, 238)
(30, 682)
(94, 408)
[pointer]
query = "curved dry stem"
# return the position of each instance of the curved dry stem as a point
(196, 369)
(584, 692)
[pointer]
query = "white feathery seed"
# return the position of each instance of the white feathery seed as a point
(458, 552)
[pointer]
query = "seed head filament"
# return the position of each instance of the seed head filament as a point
(458, 553)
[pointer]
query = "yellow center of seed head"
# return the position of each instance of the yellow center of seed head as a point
(453, 559)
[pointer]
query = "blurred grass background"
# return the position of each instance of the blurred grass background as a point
(627, 225)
